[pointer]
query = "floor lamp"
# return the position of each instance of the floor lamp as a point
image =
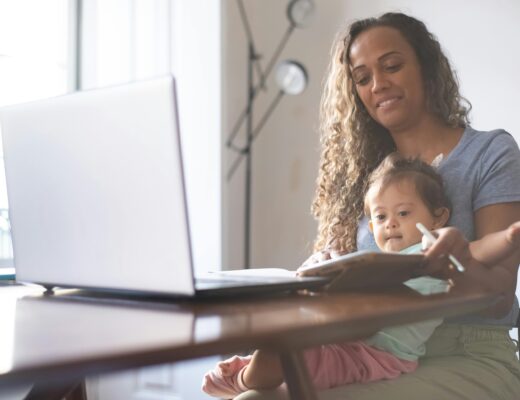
(291, 78)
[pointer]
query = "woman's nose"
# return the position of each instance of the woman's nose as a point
(379, 82)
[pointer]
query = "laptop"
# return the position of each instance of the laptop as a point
(97, 197)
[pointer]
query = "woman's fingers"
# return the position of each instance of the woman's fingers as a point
(439, 268)
(321, 256)
(317, 257)
(450, 241)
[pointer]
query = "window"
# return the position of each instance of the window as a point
(119, 41)
(124, 40)
(36, 61)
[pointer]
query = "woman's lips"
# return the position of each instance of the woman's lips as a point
(387, 102)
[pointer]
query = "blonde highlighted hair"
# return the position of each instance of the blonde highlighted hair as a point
(353, 144)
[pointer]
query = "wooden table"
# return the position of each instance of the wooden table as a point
(62, 338)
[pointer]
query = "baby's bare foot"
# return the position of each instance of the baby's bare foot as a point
(225, 380)
(232, 365)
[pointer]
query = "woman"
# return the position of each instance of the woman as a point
(390, 88)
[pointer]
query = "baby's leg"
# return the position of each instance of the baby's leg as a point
(264, 371)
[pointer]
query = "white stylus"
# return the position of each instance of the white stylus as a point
(432, 239)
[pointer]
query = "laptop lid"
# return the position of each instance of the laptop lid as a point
(96, 192)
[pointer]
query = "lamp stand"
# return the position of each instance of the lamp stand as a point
(248, 154)
(293, 81)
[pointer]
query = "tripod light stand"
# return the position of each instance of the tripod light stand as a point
(291, 78)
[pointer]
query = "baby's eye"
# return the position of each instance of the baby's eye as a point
(380, 217)
(403, 213)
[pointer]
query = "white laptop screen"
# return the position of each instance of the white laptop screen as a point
(96, 190)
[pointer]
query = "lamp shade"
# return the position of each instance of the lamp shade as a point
(300, 13)
(291, 77)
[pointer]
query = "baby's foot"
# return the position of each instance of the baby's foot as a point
(226, 379)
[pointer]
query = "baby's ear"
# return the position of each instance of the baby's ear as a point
(441, 217)
(370, 226)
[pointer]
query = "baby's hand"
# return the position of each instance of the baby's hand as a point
(513, 234)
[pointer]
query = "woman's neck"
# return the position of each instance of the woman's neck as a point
(427, 140)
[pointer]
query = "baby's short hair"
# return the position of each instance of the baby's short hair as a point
(427, 182)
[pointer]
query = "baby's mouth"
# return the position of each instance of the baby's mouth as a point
(393, 237)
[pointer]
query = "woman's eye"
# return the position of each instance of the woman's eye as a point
(362, 80)
(393, 67)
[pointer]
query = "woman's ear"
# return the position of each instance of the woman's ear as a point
(441, 217)
(370, 226)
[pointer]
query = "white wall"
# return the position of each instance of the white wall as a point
(479, 37)
(285, 155)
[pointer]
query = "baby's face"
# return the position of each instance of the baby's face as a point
(394, 212)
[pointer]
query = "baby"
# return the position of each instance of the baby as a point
(401, 193)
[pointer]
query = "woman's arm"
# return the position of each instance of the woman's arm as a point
(500, 277)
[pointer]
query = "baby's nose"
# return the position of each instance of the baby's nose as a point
(391, 223)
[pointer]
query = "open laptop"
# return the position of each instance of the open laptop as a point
(97, 197)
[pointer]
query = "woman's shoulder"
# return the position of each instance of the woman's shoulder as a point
(476, 137)
(478, 145)
(480, 157)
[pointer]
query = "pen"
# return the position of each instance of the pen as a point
(432, 239)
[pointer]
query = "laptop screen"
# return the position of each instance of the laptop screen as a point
(96, 191)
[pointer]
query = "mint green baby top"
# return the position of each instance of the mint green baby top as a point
(407, 342)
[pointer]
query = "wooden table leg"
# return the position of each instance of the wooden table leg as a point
(297, 376)
(73, 391)
(78, 393)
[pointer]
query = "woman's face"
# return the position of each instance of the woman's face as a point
(388, 79)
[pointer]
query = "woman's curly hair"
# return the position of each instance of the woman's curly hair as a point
(353, 144)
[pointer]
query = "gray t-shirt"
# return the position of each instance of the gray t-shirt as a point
(483, 169)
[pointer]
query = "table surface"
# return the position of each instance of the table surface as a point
(70, 335)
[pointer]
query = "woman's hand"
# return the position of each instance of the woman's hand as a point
(450, 241)
(476, 276)
(322, 255)
(317, 257)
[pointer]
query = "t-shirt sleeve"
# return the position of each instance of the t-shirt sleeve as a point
(499, 172)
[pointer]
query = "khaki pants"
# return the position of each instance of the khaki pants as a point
(462, 362)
